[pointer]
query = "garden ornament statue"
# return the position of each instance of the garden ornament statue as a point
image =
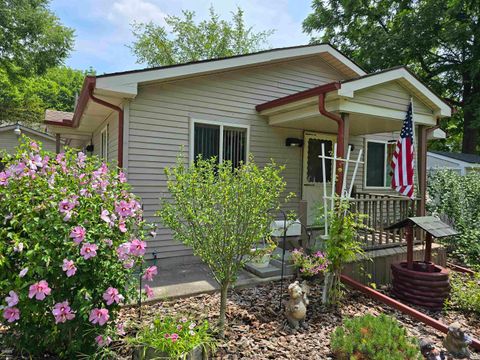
(296, 307)
(456, 342)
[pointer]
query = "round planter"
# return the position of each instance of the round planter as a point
(149, 353)
(261, 262)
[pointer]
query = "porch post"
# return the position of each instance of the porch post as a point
(422, 169)
(57, 143)
(346, 131)
(343, 132)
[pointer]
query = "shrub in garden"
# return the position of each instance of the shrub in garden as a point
(464, 293)
(309, 264)
(173, 338)
(458, 197)
(373, 338)
(71, 234)
(221, 213)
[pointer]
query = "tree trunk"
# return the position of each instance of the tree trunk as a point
(223, 309)
(470, 125)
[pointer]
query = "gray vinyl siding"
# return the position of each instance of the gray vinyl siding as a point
(159, 119)
(112, 121)
(9, 141)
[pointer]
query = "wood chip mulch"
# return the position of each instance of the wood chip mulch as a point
(256, 330)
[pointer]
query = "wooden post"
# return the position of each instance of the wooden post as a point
(409, 234)
(57, 143)
(422, 169)
(428, 247)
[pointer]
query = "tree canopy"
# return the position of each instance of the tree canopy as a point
(26, 99)
(184, 40)
(32, 39)
(438, 39)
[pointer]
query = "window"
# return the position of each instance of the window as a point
(378, 171)
(314, 161)
(221, 140)
(104, 143)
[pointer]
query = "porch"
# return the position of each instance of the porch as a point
(360, 117)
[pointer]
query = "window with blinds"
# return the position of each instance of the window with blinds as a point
(314, 162)
(226, 143)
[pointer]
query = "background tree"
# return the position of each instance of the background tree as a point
(439, 39)
(25, 99)
(190, 41)
(32, 39)
(221, 214)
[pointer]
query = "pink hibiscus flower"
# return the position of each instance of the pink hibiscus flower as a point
(122, 177)
(99, 316)
(123, 251)
(148, 291)
(123, 208)
(174, 337)
(39, 290)
(12, 299)
(78, 234)
(121, 329)
(121, 226)
(69, 267)
(101, 341)
(11, 314)
(23, 272)
(66, 205)
(62, 312)
(137, 247)
(128, 264)
(4, 176)
(105, 216)
(88, 251)
(150, 272)
(112, 295)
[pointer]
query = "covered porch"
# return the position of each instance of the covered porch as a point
(363, 115)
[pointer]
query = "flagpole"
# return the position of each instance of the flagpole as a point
(414, 157)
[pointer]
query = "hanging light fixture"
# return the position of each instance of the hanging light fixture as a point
(17, 131)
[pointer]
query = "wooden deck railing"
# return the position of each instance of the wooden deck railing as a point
(382, 210)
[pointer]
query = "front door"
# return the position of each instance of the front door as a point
(312, 189)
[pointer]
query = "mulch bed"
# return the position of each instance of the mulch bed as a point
(256, 330)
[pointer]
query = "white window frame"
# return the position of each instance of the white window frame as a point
(104, 151)
(365, 166)
(221, 124)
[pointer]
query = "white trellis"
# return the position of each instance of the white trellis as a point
(346, 189)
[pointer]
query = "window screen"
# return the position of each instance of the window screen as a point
(207, 141)
(314, 162)
(376, 164)
(234, 145)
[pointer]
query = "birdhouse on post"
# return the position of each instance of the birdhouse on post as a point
(422, 282)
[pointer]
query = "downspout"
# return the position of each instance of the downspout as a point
(340, 137)
(120, 121)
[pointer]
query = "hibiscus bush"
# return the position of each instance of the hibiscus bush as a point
(71, 236)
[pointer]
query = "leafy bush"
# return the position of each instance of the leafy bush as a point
(221, 212)
(309, 265)
(71, 234)
(373, 338)
(458, 197)
(174, 337)
(464, 293)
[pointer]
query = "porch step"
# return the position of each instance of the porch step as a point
(273, 269)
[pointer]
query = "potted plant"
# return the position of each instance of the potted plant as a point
(309, 266)
(261, 255)
(173, 338)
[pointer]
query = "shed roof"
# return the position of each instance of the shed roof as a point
(469, 158)
(431, 224)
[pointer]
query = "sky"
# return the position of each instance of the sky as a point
(103, 31)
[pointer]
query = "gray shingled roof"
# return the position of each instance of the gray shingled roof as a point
(470, 158)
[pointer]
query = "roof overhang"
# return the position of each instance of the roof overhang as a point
(27, 129)
(126, 84)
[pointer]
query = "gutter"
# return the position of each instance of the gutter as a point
(116, 108)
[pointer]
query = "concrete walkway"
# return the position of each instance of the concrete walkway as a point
(194, 279)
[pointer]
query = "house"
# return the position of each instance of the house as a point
(10, 134)
(268, 103)
(459, 162)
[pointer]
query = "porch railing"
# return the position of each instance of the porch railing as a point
(382, 210)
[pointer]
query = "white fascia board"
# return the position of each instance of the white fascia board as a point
(437, 134)
(348, 88)
(27, 129)
(127, 83)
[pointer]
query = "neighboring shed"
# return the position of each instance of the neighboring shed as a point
(10, 134)
(459, 162)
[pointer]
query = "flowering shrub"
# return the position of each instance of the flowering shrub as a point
(309, 265)
(70, 232)
(173, 338)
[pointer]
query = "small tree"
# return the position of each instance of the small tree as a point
(341, 247)
(221, 213)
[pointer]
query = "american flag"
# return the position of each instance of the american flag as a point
(403, 161)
